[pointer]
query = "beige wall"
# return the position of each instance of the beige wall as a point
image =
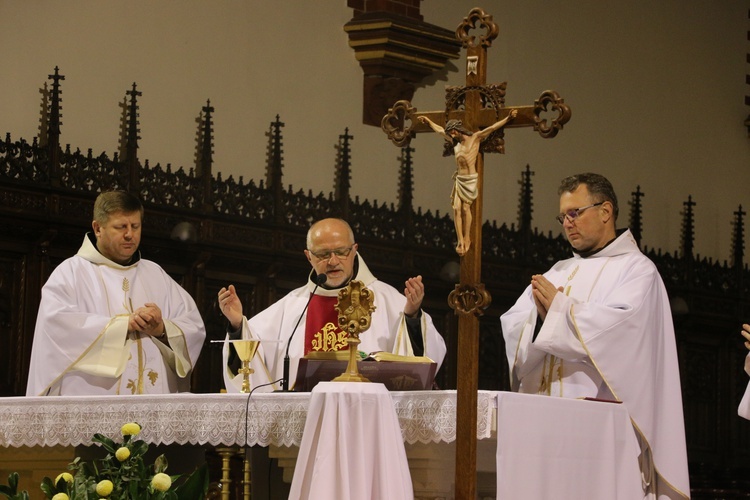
(656, 88)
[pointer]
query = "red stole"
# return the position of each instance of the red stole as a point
(322, 332)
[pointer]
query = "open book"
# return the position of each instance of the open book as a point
(396, 372)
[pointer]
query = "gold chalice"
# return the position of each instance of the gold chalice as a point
(246, 349)
(355, 307)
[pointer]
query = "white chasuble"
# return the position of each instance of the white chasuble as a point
(608, 335)
(274, 326)
(744, 409)
(81, 343)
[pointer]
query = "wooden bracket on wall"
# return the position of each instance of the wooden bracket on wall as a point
(396, 52)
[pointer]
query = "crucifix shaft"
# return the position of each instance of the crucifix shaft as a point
(483, 115)
(468, 325)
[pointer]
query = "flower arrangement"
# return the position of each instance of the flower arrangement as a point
(120, 475)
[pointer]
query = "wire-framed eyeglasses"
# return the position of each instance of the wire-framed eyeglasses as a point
(341, 253)
(572, 215)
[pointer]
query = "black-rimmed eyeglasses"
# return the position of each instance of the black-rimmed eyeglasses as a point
(572, 215)
(341, 253)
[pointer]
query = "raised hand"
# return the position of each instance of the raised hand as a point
(230, 306)
(414, 292)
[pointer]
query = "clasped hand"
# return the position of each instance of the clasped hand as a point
(147, 320)
(544, 293)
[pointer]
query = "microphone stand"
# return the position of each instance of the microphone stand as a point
(319, 280)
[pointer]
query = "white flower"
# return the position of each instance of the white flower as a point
(161, 482)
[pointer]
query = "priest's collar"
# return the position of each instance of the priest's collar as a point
(360, 272)
(618, 233)
(91, 253)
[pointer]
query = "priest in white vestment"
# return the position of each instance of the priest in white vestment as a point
(398, 324)
(111, 322)
(599, 325)
(744, 408)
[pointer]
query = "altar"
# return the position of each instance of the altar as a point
(521, 438)
(274, 420)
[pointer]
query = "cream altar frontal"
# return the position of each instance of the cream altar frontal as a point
(348, 433)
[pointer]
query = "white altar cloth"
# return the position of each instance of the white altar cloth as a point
(215, 419)
(565, 448)
(352, 447)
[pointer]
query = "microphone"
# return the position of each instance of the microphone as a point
(319, 280)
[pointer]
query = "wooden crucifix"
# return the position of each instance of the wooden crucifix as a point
(481, 110)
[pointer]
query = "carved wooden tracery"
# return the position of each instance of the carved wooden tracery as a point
(469, 24)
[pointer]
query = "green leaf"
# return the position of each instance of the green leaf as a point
(82, 487)
(133, 488)
(61, 485)
(160, 464)
(138, 448)
(13, 481)
(107, 443)
(47, 487)
(195, 486)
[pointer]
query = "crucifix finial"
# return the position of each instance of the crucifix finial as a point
(485, 21)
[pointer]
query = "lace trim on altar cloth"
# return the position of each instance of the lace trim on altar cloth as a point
(215, 419)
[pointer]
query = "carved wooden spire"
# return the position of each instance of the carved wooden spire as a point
(205, 161)
(342, 183)
(688, 231)
(54, 124)
(55, 109)
(525, 211)
(206, 151)
(131, 143)
(738, 239)
(275, 167)
(526, 203)
(406, 183)
(636, 211)
(406, 193)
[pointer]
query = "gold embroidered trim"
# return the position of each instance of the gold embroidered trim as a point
(553, 366)
(329, 338)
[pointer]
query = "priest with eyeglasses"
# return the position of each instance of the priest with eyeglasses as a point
(598, 325)
(398, 325)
